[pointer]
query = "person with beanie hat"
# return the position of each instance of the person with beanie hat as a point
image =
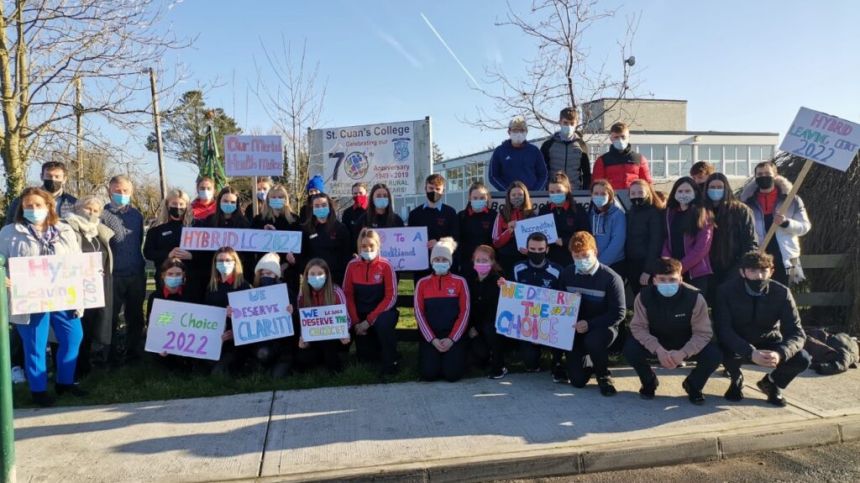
(269, 266)
(274, 355)
(315, 186)
(442, 311)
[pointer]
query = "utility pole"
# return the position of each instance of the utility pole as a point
(157, 119)
(79, 137)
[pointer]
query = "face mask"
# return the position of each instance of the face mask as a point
(277, 203)
(619, 144)
(52, 186)
(381, 203)
(566, 132)
(360, 201)
(764, 182)
(668, 289)
(316, 281)
(175, 212)
(441, 268)
(757, 286)
(94, 218)
(557, 198)
(120, 199)
(434, 196)
(483, 268)
(478, 205)
(225, 268)
(599, 200)
(584, 265)
(518, 137)
(684, 198)
(716, 194)
(321, 213)
(204, 195)
(261, 195)
(266, 281)
(536, 258)
(517, 201)
(173, 282)
(369, 255)
(228, 208)
(637, 201)
(35, 215)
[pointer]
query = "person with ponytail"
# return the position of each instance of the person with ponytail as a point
(690, 232)
(319, 290)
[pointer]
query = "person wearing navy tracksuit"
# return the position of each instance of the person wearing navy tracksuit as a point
(370, 285)
(442, 311)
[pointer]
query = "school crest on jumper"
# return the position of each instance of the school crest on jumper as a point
(401, 149)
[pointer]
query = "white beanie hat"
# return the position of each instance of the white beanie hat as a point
(444, 248)
(270, 262)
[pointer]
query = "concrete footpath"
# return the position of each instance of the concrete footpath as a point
(478, 429)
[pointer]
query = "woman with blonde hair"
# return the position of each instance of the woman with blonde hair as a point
(164, 236)
(277, 214)
(227, 276)
(645, 232)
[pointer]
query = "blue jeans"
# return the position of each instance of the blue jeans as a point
(34, 336)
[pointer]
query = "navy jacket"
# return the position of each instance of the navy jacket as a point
(524, 163)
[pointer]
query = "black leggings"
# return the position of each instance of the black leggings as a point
(434, 365)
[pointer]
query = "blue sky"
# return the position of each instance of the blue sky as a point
(742, 66)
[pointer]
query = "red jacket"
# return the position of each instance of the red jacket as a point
(621, 168)
(442, 306)
(318, 301)
(370, 287)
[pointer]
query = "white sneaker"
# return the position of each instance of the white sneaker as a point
(18, 376)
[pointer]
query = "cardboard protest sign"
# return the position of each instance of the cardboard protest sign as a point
(544, 224)
(822, 138)
(184, 329)
(405, 248)
(260, 314)
(56, 282)
(537, 315)
(253, 156)
(324, 323)
(241, 240)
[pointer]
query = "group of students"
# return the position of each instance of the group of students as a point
(679, 255)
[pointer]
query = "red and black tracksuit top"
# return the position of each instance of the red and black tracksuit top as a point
(442, 306)
(370, 288)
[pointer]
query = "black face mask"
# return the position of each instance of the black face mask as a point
(434, 196)
(177, 213)
(266, 281)
(757, 286)
(764, 182)
(536, 258)
(52, 186)
(637, 201)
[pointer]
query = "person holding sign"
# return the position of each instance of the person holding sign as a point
(162, 239)
(264, 185)
(485, 342)
(381, 214)
(644, 236)
(518, 206)
(442, 312)
(690, 231)
(319, 290)
(765, 197)
(278, 215)
(38, 231)
(370, 286)
(757, 322)
(476, 225)
(569, 217)
(601, 311)
(226, 276)
(670, 321)
(276, 354)
(173, 281)
(204, 205)
(608, 225)
(325, 237)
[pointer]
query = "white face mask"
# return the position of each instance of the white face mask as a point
(567, 132)
(620, 144)
(518, 137)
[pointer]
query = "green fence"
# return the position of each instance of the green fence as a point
(7, 430)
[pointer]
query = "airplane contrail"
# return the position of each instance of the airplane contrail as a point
(457, 59)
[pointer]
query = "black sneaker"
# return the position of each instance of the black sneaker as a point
(695, 397)
(774, 394)
(736, 390)
(534, 370)
(500, 374)
(647, 390)
(42, 399)
(73, 389)
(559, 374)
(606, 387)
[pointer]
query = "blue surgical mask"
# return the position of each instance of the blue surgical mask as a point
(381, 203)
(225, 268)
(205, 195)
(478, 205)
(584, 265)
(316, 281)
(35, 215)
(369, 255)
(321, 212)
(441, 268)
(619, 144)
(668, 289)
(716, 194)
(566, 132)
(557, 198)
(228, 208)
(174, 282)
(599, 200)
(261, 194)
(120, 199)
(276, 203)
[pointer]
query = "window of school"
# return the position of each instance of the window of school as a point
(712, 153)
(679, 159)
(454, 178)
(656, 156)
(736, 160)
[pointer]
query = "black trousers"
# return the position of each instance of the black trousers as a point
(434, 365)
(129, 293)
(594, 343)
(782, 375)
(707, 361)
(380, 342)
(324, 353)
(488, 346)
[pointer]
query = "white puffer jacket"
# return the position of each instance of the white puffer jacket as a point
(788, 238)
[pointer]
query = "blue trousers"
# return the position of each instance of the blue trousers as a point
(34, 336)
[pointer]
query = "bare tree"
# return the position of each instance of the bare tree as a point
(294, 103)
(46, 45)
(563, 73)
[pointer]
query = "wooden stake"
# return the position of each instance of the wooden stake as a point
(788, 200)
